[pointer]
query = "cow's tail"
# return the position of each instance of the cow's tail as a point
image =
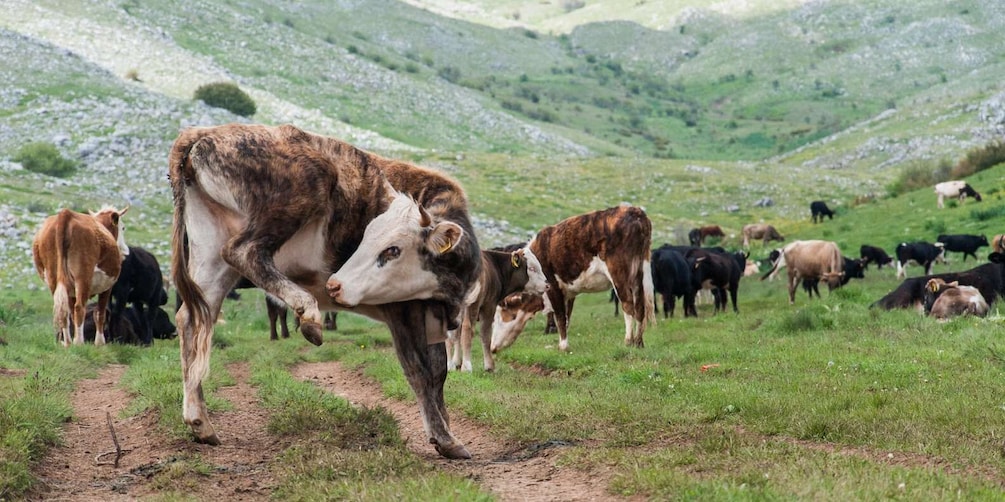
(64, 279)
(181, 174)
(643, 270)
(648, 294)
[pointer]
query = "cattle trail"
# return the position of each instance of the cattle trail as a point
(509, 472)
(240, 465)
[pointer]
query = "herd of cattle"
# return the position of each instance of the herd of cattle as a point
(320, 226)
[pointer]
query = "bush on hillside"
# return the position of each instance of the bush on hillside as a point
(227, 96)
(920, 174)
(979, 159)
(44, 158)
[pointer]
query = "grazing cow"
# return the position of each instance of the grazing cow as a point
(589, 253)
(988, 278)
(963, 243)
(998, 243)
(319, 224)
(672, 279)
(853, 269)
(952, 300)
(813, 259)
(141, 283)
(872, 254)
(719, 272)
(698, 235)
(924, 254)
(819, 209)
(958, 189)
(763, 231)
(78, 256)
(502, 275)
(512, 315)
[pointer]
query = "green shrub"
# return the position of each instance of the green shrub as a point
(44, 158)
(979, 159)
(920, 174)
(227, 96)
(992, 213)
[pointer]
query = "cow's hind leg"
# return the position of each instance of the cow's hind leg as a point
(412, 324)
(216, 280)
(99, 317)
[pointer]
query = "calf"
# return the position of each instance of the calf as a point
(964, 243)
(78, 256)
(126, 328)
(872, 254)
(853, 269)
(922, 253)
(814, 259)
(319, 224)
(819, 209)
(958, 189)
(951, 300)
(590, 253)
(719, 272)
(763, 231)
(502, 275)
(140, 283)
(988, 278)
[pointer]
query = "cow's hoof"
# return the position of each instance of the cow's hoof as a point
(312, 332)
(453, 451)
(212, 440)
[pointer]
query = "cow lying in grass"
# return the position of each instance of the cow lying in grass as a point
(989, 279)
(944, 300)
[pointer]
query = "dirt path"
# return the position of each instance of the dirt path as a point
(509, 472)
(151, 460)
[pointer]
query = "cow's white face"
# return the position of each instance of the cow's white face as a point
(391, 263)
(536, 282)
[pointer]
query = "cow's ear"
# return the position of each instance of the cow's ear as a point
(933, 286)
(514, 258)
(444, 237)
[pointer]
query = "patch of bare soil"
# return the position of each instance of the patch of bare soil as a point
(83, 469)
(510, 472)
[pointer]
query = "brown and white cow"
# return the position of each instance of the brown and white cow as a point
(502, 274)
(998, 243)
(511, 317)
(763, 231)
(78, 256)
(320, 225)
(589, 253)
(952, 299)
(811, 259)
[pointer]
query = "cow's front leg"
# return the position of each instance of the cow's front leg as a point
(412, 324)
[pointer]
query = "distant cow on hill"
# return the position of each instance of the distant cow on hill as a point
(957, 189)
(698, 235)
(922, 253)
(763, 231)
(819, 209)
(964, 243)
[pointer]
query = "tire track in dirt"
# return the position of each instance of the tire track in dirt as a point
(509, 471)
(240, 466)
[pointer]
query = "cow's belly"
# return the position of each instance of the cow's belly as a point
(101, 282)
(594, 279)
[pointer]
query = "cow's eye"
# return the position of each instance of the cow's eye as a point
(388, 255)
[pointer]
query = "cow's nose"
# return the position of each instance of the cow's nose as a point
(334, 288)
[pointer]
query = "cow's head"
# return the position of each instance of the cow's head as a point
(512, 315)
(396, 259)
(111, 219)
(537, 283)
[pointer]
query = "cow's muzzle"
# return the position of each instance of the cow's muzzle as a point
(334, 289)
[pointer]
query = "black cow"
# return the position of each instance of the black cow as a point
(963, 243)
(988, 278)
(672, 279)
(922, 253)
(126, 328)
(819, 209)
(872, 254)
(140, 283)
(853, 269)
(719, 271)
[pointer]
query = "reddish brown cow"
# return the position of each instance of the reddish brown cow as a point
(589, 253)
(319, 224)
(78, 256)
(698, 235)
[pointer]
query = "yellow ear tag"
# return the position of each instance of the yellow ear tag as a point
(447, 246)
(515, 261)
